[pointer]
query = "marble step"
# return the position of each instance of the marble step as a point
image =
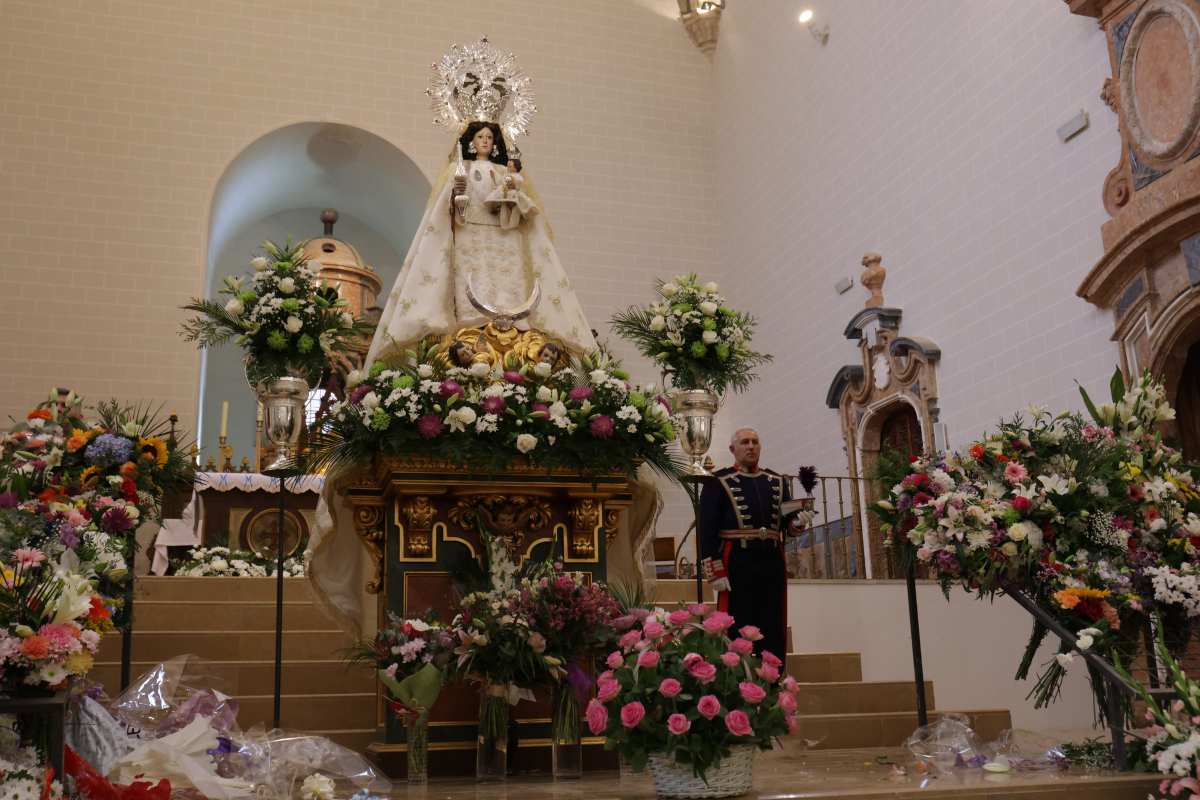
(884, 729)
(210, 615)
(227, 645)
(236, 590)
(258, 677)
(861, 697)
(310, 712)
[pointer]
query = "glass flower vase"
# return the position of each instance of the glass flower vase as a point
(566, 744)
(491, 745)
(416, 726)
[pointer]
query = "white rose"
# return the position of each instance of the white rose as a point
(709, 337)
(347, 319)
(526, 442)
(1084, 642)
(669, 290)
(658, 323)
(425, 371)
(287, 285)
(541, 369)
(466, 415)
(557, 409)
(479, 369)
(370, 401)
(709, 308)
(1064, 659)
(354, 377)
(293, 324)
(259, 263)
(598, 376)
(235, 307)
(711, 286)
(1020, 531)
(544, 394)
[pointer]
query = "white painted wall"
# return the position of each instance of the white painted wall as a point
(970, 648)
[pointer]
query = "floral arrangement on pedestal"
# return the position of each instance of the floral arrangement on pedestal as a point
(204, 562)
(690, 333)
(586, 417)
(285, 320)
(678, 690)
(1096, 519)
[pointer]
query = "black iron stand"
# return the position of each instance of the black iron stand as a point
(279, 596)
(914, 633)
(127, 631)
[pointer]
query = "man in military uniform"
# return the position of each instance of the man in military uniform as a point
(742, 529)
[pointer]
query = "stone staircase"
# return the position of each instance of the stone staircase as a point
(230, 623)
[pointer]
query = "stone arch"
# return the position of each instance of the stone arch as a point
(275, 187)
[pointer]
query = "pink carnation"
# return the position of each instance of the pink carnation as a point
(602, 427)
(718, 622)
(653, 629)
(738, 723)
(607, 690)
(615, 660)
(751, 692)
(669, 687)
(679, 617)
(632, 713)
(597, 717)
(678, 724)
(730, 659)
(648, 659)
(742, 646)
(750, 632)
(709, 706)
(580, 393)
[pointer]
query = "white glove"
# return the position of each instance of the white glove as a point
(720, 585)
(802, 519)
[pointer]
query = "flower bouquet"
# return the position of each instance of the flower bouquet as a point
(585, 417)
(25, 776)
(285, 320)
(693, 336)
(498, 648)
(411, 657)
(222, 562)
(680, 695)
(1096, 519)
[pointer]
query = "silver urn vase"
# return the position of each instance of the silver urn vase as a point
(283, 418)
(694, 409)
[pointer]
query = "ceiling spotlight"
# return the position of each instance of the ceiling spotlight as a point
(820, 34)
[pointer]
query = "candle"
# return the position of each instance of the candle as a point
(224, 418)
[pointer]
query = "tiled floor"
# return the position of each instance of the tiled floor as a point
(792, 773)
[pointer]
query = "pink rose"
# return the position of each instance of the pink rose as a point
(648, 659)
(791, 722)
(787, 701)
(750, 632)
(597, 717)
(629, 639)
(703, 672)
(752, 693)
(730, 659)
(607, 690)
(615, 660)
(743, 646)
(607, 675)
(771, 659)
(790, 684)
(691, 659)
(709, 706)
(678, 617)
(678, 724)
(768, 673)
(697, 609)
(669, 687)
(653, 629)
(718, 622)
(738, 723)
(632, 713)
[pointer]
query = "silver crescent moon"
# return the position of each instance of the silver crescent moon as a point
(520, 312)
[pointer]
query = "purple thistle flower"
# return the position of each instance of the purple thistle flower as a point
(580, 393)
(601, 427)
(116, 520)
(493, 404)
(450, 388)
(360, 391)
(429, 426)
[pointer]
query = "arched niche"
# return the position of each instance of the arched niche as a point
(275, 188)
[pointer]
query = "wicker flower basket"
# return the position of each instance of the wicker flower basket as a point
(733, 777)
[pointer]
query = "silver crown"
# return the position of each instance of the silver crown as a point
(477, 82)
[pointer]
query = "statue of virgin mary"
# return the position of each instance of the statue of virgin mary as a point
(483, 253)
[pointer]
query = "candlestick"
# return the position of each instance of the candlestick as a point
(224, 418)
(226, 454)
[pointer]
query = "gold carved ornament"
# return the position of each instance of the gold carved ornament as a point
(368, 524)
(514, 518)
(505, 348)
(585, 519)
(419, 512)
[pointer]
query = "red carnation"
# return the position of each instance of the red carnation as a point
(1021, 504)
